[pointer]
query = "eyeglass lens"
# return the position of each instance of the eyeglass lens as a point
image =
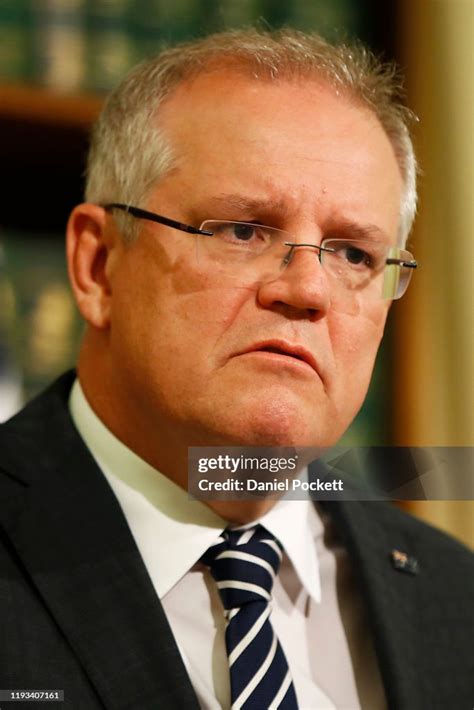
(252, 253)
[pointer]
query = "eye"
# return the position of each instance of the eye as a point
(245, 237)
(243, 232)
(357, 256)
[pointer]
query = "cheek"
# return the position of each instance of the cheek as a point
(171, 321)
(356, 339)
(210, 303)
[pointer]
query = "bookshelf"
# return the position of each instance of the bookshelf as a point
(36, 104)
(43, 145)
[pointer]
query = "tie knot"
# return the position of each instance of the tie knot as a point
(244, 564)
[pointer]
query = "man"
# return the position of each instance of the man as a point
(248, 198)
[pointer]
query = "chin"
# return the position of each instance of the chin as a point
(276, 425)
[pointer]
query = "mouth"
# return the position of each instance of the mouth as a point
(283, 349)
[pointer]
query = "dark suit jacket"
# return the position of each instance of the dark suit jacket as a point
(79, 613)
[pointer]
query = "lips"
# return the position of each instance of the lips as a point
(282, 347)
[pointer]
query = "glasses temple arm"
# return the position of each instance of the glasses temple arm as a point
(401, 262)
(152, 217)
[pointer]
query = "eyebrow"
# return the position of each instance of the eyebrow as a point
(356, 231)
(250, 204)
(344, 228)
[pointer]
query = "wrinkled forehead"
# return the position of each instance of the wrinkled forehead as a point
(233, 104)
(235, 96)
(236, 134)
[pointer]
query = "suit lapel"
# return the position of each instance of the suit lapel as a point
(391, 595)
(74, 542)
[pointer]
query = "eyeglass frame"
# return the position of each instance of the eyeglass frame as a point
(139, 213)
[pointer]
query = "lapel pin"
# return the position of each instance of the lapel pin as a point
(403, 562)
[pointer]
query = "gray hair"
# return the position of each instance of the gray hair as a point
(129, 152)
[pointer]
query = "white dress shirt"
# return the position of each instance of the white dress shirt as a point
(317, 614)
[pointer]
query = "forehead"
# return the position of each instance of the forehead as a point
(295, 139)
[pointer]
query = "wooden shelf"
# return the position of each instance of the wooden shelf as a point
(43, 148)
(46, 106)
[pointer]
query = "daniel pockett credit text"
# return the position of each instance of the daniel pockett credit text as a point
(364, 473)
(238, 473)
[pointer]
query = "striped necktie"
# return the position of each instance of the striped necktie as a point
(244, 564)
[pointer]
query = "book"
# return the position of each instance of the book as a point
(15, 40)
(59, 43)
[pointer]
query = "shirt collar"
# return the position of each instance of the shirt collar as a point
(158, 509)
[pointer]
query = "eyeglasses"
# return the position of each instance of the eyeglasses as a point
(254, 252)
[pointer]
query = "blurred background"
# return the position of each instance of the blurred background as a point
(59, 57)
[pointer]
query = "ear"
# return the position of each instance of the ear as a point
(91, 245)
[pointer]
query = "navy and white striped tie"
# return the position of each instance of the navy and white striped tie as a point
(244, 564)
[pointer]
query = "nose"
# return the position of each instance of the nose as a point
(302, 286)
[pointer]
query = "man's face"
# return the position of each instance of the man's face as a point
(202, 359)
